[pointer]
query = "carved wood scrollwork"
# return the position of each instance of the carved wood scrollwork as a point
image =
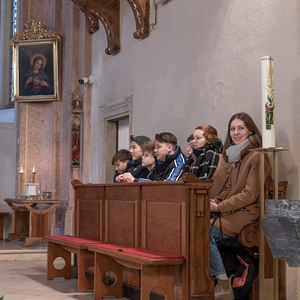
(141, 12)
(108, 12)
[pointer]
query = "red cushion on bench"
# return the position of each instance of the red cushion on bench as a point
(74, 239)
(137, 251)
(4, 213)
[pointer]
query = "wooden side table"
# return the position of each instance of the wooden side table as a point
(39, 220)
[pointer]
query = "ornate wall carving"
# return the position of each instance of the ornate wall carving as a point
(141, 12)
(108, 13)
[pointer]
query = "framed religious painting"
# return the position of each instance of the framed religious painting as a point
(35, 69)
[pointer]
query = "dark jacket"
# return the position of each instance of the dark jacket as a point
(149, 177)
(204, 160)
(135, 168)
(116, 175)
(172, 168)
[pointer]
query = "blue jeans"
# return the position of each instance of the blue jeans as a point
(216, 262)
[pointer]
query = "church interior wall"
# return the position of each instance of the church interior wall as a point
(42, 135)
(201, 65)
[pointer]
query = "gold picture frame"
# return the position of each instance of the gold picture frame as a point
(35, 70)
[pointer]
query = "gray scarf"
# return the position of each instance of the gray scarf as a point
(234, 152)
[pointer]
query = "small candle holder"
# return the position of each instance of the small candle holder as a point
(21, 172)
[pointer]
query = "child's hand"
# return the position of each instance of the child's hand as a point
(127, 177)
(120, 178)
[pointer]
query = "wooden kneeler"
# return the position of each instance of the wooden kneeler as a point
(63, 246)
(85, 260)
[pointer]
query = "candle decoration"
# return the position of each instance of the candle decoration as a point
(21, 172)
(33, 171)
(268, 112)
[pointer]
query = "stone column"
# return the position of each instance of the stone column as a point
(5, 61)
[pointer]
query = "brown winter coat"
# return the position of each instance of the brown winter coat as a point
(220, 177)
(239, 204)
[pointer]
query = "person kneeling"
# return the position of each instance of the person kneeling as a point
(148, 161)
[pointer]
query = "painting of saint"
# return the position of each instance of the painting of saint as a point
(36, 81)
(36, 70)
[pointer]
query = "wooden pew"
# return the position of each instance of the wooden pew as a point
(151, 216)
(167, 217)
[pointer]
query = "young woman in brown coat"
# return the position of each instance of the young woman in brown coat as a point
(238, 203)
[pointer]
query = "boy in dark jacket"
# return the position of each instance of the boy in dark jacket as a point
(170, 160)
(120, 160)
(148, 161)
(135, 165)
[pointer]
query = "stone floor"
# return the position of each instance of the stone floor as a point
(23, 275)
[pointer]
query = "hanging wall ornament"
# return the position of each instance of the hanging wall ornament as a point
(76, 122)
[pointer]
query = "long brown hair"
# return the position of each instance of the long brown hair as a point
(249, 123)
(210, 133)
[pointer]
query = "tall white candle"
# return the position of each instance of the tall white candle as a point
(267, 97)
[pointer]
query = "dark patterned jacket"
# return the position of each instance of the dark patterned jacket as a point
(204, 160)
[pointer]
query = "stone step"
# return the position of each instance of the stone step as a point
(14, 251)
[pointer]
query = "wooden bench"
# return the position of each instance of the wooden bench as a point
(162, 217)
(157, 269)
(62, 246)
(2, 215)
(165, 217)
